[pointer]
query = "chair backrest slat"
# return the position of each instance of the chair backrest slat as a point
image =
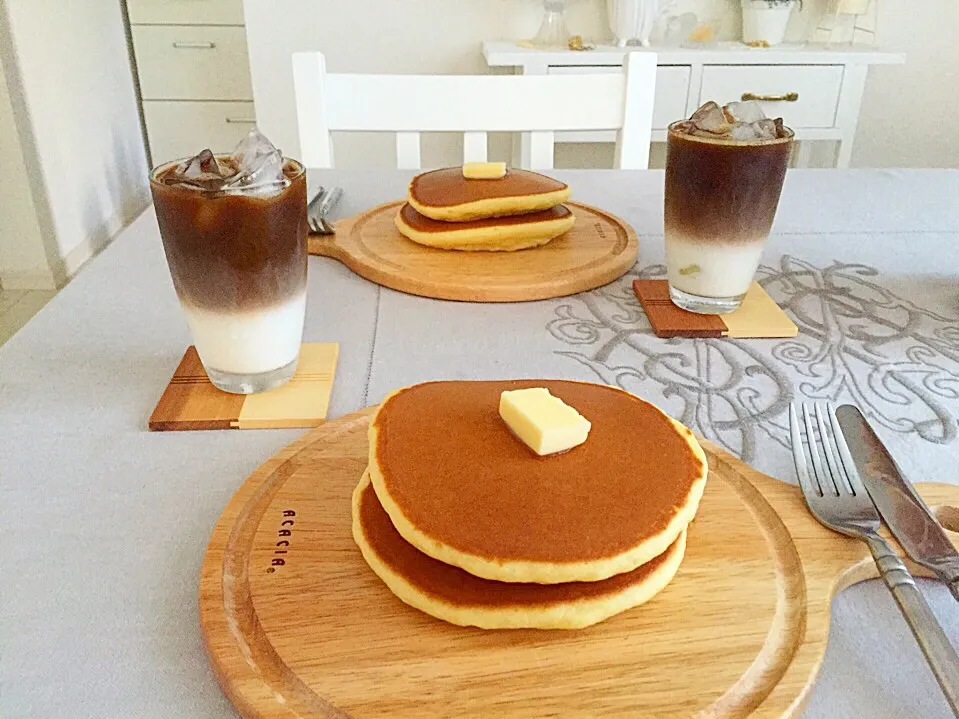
(408, 150)
(474, 105)
(541, 149)
(475, 147)
(632, 140)
(309, 77)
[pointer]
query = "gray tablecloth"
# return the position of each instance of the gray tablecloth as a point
(104, 524)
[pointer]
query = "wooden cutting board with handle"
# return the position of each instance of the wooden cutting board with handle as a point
(599, 249)
(296, 624)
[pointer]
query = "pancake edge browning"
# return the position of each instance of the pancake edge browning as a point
(542, 572)
(573, 614)
(492, 206)
(504, 238)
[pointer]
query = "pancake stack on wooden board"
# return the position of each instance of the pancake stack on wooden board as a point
(453, 210)
(461, 520)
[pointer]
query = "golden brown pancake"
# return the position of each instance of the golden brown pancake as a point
(491, 234)
(448, 196)
(451, 594)
(461, 488)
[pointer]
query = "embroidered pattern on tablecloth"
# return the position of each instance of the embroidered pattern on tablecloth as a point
(858, 342)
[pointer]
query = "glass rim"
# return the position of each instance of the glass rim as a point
(672, 132)
(164, 166)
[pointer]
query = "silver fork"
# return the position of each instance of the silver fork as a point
(837, 497)
(319, 207)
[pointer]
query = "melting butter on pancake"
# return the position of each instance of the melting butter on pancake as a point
(448, 196)
(459, 487)
(455, 596)
(495, 234)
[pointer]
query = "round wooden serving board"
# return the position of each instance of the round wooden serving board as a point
(599, 249)
(297, 625)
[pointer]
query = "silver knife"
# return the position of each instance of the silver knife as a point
(907, 516)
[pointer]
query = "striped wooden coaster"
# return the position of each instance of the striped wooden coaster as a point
(758, 317)
(190, 401)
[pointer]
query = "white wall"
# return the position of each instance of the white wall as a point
(413, 36)
(23, 259)
(83, 143)
(444, 36)
(911, 112)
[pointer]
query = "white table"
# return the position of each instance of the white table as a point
(816, 89)
(104, 524)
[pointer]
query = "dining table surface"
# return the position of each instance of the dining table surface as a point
(104, 524)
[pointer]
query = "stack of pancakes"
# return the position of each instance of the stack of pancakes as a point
(519, 210)
(463, 521)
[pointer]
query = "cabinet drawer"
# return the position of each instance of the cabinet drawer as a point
(817, 88)
(672, 88)
(186, 12)
(180, 129)
(192, 63)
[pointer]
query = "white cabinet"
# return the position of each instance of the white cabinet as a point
(192, 63)
(805, 96)
(193, 74)
(174, 126)
(816, 90)
(185, 12)
(672, 89)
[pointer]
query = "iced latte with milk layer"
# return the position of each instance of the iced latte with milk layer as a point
(234, 232)
(724, 173)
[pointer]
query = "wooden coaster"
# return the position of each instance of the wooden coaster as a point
(758, 317)
(190, 401)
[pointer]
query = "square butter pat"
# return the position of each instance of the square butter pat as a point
(543, 422)
(484, 170)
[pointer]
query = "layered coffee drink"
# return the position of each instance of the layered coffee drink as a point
(234, 232)
(724, 173)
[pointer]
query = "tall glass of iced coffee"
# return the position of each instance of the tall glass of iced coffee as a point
(234, 232)
(724, 173)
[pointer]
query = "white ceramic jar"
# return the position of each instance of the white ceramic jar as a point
(632, 20)
(765, 20)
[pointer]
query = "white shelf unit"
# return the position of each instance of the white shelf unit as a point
(817, 90)
(193, 72)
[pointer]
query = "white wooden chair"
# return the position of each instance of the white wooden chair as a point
(474, 105)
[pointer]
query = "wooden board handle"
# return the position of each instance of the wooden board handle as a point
(326, 245)
(948, 517)
(322, 245)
